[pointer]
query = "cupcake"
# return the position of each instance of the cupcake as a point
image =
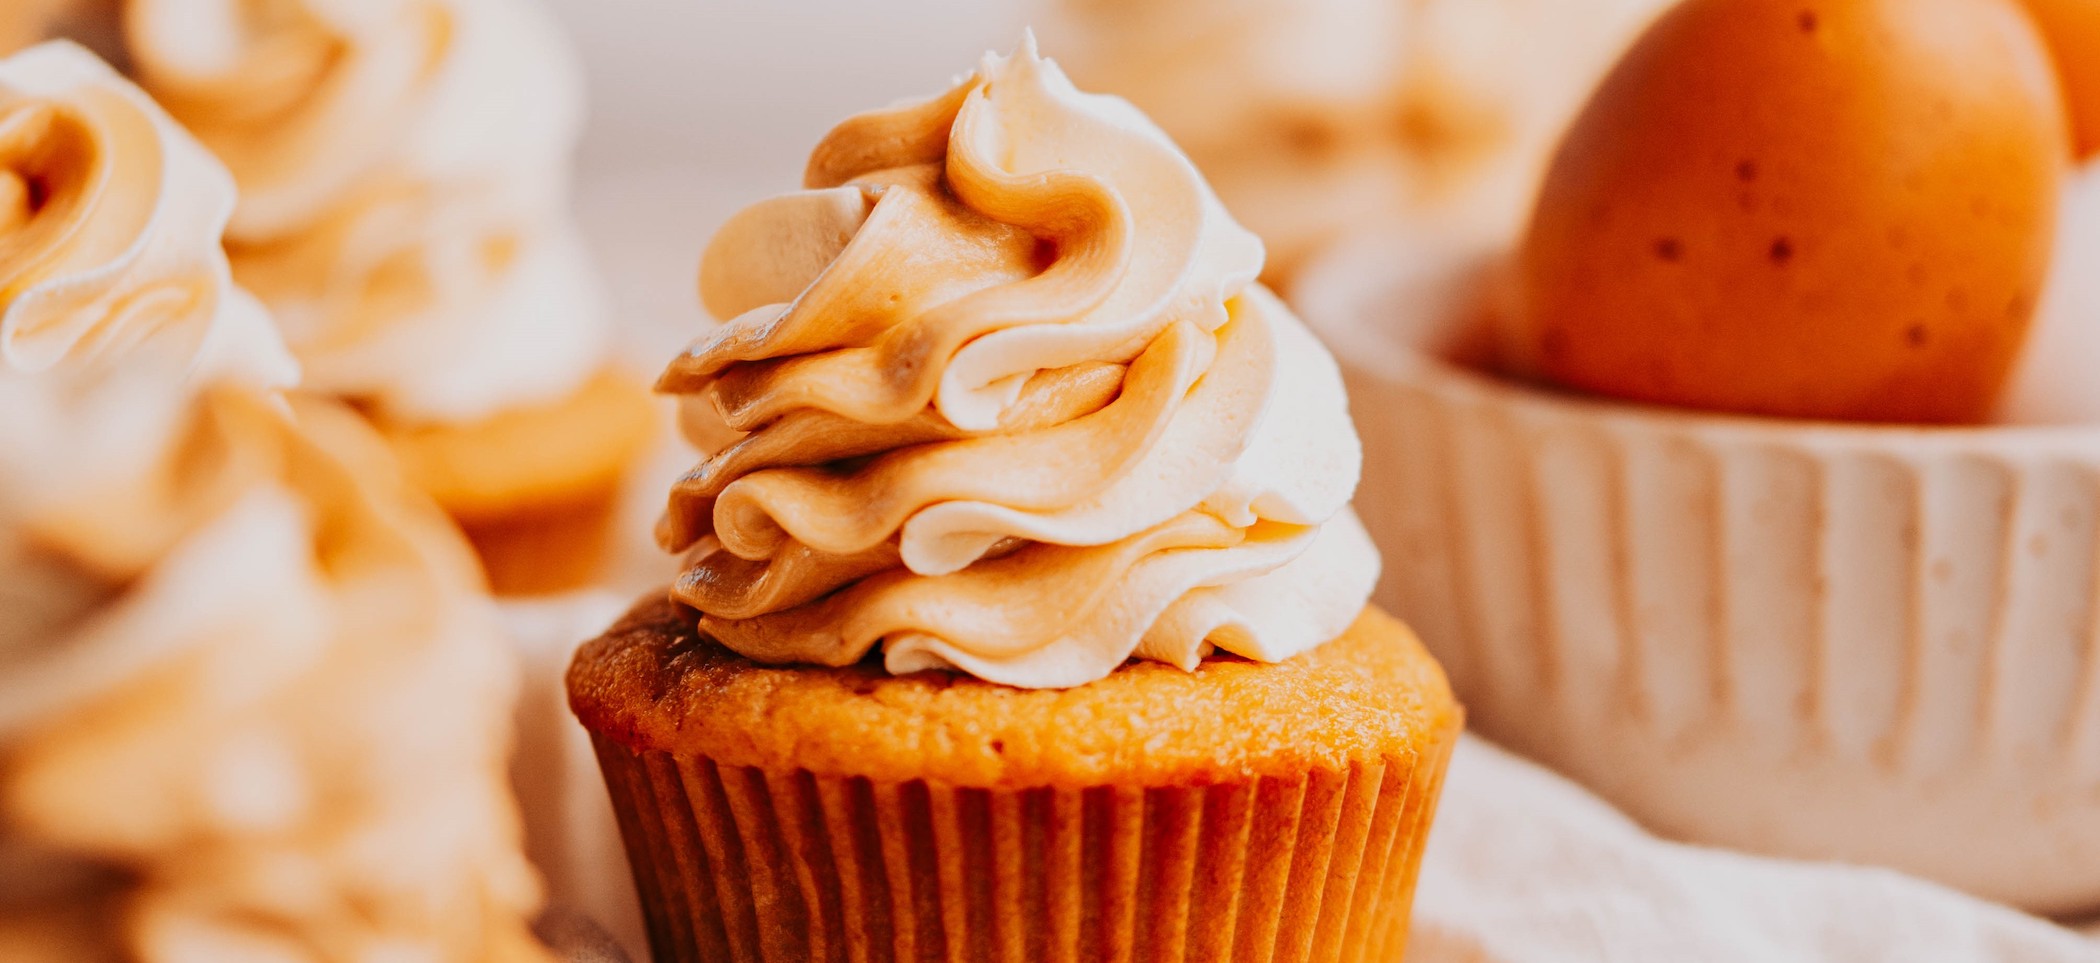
(403, 170)
(1706, 483)
(1314, 119)
(252, 705)
(1025, 614)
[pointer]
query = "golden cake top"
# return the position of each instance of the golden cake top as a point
(1373, 693)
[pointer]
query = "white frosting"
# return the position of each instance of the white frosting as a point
(1014, 521)
(530, 335)
(239, 616)
(405, 215)
(125, 249)
(2058, 378)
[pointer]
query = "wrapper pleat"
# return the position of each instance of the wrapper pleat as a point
(744, 864)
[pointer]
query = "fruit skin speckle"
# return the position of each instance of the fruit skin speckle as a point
(1755, 217)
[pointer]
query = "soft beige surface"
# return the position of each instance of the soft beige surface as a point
(569, 831)
(1526, 867)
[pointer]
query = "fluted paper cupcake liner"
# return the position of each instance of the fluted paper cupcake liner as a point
(737, 863)
(1872, 644)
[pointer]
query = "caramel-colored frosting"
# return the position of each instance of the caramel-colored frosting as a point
(1011, 403)
(110, 217)
(215, 616)
(403, 168)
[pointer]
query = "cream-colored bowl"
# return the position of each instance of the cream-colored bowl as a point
(1869, 644)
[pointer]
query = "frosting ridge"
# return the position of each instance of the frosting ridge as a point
(1010, 402)
(110, 217)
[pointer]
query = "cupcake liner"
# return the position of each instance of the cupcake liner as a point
(1871, 644)
(740, 863)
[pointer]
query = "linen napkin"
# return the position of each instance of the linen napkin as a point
(1527, 867)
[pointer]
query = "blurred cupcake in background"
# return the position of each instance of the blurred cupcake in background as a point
(1312, 117)
(404, 172)
(252, 705)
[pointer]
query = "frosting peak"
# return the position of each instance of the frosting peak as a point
(110, 217)
(1010, 402)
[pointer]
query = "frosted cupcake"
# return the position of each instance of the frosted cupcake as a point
(404, 168)
(1025, 615)
(1317, 118)
(251, 702)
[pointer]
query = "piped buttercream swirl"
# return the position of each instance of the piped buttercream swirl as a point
(1010, 401)
(404, 168)
(110, 218)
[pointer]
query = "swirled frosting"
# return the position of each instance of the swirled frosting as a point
(110, 217)
(213, 599)
(223, 607)
(1316, 118)
(403, 167)
(1011, 403)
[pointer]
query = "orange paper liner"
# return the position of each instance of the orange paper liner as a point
(737, 863)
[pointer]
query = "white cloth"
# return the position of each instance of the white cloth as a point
(570, 832)
(576, 938)
(1526, 867)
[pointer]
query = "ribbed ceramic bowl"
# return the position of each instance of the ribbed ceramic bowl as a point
(1868, 644)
